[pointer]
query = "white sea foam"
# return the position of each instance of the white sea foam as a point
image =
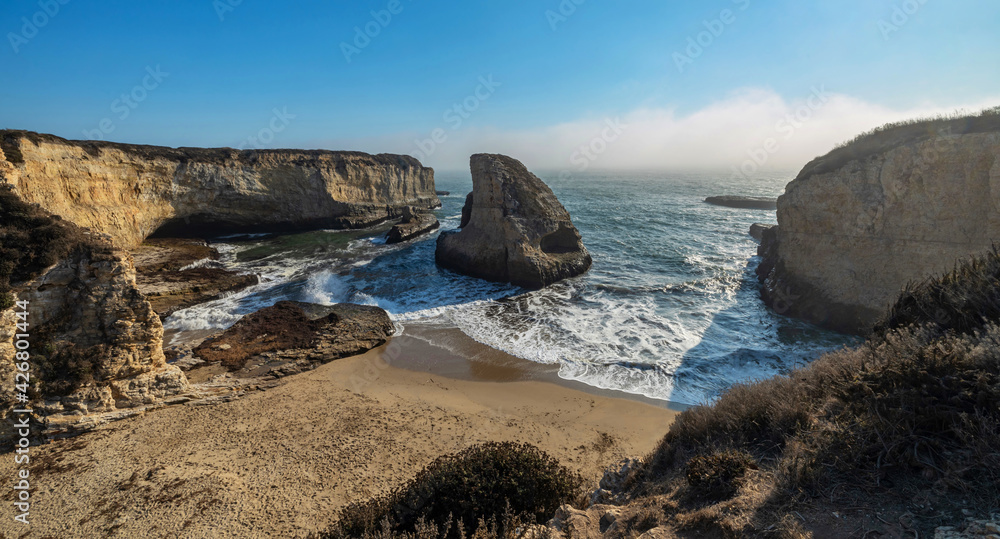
(324, 288)
(669, 310)
(203, 263)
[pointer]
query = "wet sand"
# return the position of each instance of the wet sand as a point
(279, 463)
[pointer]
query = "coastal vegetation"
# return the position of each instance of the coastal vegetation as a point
(491, 488)
(31, 240)
(895, 134)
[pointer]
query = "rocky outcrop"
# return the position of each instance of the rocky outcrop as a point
(894, 207)
(67, 211)
(96, 344)
(130, 192)
(516, 231)
(290, 337)
(175, 274)
(750, 203)
(757, 230)
(412, 224)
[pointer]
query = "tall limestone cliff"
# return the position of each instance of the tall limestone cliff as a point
(892, 207)
(130, 191)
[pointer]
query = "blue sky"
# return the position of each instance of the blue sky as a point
(231, 70)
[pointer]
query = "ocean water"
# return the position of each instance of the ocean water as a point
(670, 309)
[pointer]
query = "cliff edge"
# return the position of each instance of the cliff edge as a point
(131, 192)
(892, 207)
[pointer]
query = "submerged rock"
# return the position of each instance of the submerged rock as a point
(749, 203)
(413, 224)
(516, 231)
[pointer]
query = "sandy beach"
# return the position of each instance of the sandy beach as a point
(280, 462)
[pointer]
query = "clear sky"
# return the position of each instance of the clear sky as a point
(541, 79)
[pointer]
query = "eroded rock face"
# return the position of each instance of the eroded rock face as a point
(853, 232)
(516, 230)
(96, 344)
(129, 191)
(757, 230)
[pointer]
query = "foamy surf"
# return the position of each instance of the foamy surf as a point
(670, 309)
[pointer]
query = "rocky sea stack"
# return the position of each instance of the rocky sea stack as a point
(513, 229)
(890, 208)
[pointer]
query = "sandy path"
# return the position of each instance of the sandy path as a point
(278, 463)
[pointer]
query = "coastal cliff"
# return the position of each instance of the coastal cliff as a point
(892, 207)
(70, 212)
(131, 192)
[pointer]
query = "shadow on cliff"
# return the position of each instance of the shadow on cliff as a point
(724, 357)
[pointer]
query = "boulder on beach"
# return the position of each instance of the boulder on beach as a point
(413, 224)
(747, 203)
(514, 229)
(296, 330)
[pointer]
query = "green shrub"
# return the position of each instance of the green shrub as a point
(492, 483)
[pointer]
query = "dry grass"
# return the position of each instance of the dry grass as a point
(892, 135)
(32, 239)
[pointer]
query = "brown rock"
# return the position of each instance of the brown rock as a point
(517, 230)
(163, 275)
(299, 331)
(129, 191)
(413, 224)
